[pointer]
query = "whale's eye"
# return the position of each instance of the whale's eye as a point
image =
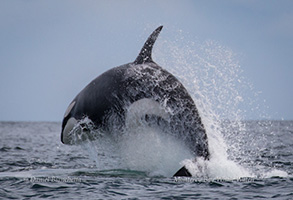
(69, 109)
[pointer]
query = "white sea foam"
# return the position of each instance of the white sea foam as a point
(275, 173)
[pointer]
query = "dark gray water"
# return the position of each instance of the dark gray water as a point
(34, 164)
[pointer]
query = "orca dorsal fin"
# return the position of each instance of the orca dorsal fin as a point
(145, 54)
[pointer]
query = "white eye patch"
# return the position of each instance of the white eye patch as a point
(69, 108)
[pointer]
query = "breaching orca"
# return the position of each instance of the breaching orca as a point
(110, 100)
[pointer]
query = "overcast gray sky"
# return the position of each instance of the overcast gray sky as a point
(51, 49)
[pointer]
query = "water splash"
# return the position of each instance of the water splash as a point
(139, 147)
(212, 75)
(151, 150)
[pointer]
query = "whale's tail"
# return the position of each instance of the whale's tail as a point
(145, 54)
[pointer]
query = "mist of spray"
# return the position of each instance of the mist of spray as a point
(212, 76)
(225, 99)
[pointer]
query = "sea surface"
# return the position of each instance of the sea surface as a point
(34, 164)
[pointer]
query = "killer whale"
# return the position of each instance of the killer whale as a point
(112, 100)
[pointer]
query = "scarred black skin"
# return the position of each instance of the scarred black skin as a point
(113, 91)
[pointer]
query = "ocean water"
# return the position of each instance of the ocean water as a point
(249, 159)
(34, 164)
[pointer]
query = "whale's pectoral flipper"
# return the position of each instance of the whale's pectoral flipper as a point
(183, 172)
